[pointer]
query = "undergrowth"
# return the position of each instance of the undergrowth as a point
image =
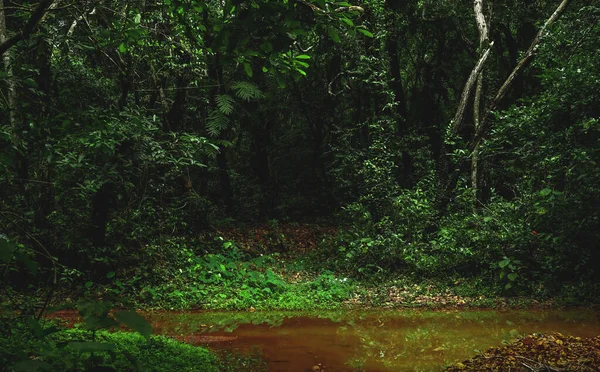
(83, 350)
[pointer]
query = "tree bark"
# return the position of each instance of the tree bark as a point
(523, 63)
(483, 27)
(468, 90)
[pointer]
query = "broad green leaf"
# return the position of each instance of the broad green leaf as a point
(248, 69)
(95, 313)
(348, 21)
(545, 192)
(365, 32)
(6, 250)
(122, 48)
(110, 275)
(35, 327)
(138, 18)
(302, 72)
(280, 82)
(30, 264)
(504, 263)
(333, 34)
(135, 321)
(303, 56)
(512, 276)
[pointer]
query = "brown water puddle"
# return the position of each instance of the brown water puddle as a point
(369, 341)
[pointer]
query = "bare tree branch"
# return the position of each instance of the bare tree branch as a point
(24, 34)
(468, 89)
(525, 61)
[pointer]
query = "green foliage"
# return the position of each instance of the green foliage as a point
(84, 353)
(537, 218)
(510, 269)
(79, 350)
(136, 129)
(247, 91)
(225, 104)
(231, 279)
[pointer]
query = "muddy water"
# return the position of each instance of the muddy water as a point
(370, 341)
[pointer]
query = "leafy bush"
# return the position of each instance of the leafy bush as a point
(80, 350)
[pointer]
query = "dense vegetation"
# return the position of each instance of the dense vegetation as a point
(296, 154)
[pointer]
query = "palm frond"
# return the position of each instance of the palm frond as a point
(217, 121)
(247, 91)
(225, 103)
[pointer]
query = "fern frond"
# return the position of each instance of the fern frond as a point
(225, 103)
(247, 91)
(217, 121)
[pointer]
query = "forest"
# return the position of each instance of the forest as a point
(265, 162)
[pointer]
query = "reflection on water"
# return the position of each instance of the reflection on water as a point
(368, 340)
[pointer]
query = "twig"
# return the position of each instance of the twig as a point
(29, 26)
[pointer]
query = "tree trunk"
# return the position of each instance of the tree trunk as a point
(523, 63)
(468, 90)
(476, 173)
